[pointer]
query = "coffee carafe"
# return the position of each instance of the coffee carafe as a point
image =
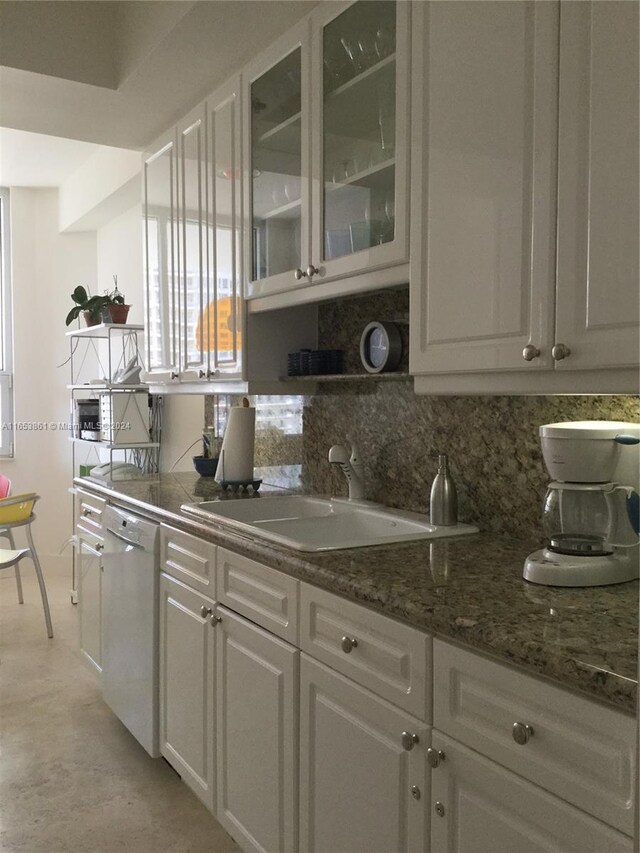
(590, 512)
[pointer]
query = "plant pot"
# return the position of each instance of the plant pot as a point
(119, 313)
(89, 319)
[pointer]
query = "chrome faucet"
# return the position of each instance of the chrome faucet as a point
(351, 467)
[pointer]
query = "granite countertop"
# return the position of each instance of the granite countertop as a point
(469, 590)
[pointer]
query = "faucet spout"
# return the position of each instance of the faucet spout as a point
(351, 467)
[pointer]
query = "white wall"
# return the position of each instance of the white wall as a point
(119, 251)
(46, 266)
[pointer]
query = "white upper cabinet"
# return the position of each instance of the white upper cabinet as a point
(222, 322)
(160, 198)
(598, 291)
(485, 80)
(524, 264)
(277, 163)
(326, 146)
(193, 245)
(192, 284)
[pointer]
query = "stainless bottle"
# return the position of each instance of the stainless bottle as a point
(444, 500)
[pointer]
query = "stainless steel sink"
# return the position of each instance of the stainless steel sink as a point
(322, 524)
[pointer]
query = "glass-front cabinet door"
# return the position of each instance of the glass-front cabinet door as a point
(360, 67)
(222, 326)
(191, 246)
(161, 259)
(277, 165)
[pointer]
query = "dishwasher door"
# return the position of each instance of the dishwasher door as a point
(130, 584)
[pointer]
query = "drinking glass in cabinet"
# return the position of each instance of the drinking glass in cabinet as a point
(359, 127)
(276, 165)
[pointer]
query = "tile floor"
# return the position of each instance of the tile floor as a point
(72, 778)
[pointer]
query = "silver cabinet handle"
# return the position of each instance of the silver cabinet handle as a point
(99, 546)
(175, 375)
(434, 757)
(439, 809)
(215, 620)
(300, 274)
(311, 271)
(560, 351)
(211, 373)
(530, 352)
(202, 374)
(409, 740)
(521, 733)
(205, 611)
(415, 792)
(348, 644)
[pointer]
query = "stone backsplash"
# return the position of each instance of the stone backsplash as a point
(492, 442)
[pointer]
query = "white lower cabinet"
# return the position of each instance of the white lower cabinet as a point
(479, 807)
(361, 789)
(89, 575)
(292, 754)
(257, 755)
(187, 674)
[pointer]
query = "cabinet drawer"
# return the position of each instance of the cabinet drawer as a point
(189, 559)
(388, 657)
(577, 749)
(266, 596)
(89, 510)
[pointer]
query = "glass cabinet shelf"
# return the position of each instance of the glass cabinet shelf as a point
(356, 81)
(364, 178)
(280, 130)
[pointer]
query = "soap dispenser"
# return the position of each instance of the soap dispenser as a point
(444, 500)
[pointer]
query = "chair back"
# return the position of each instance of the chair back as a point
(18, 509)
(5, 486)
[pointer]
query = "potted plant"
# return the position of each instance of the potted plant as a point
(116, 305)
(89, 306)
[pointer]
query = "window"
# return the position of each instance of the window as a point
(6, 346)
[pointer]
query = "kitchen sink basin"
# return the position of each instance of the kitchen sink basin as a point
(322, 524)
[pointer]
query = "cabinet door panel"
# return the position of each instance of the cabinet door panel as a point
(277, 183)
(360, 137)
(356, 778)
(484, 178)
(257, 683)
(487, 809)
(191, 255)
(598, 221)
(187, 686)
(223, 324)
(90, 598)
(160, 190)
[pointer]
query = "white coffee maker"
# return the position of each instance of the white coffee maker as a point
(590, 514)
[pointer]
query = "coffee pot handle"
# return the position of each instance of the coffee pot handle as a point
(622, 503)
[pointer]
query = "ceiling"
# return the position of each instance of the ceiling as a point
(119, 72)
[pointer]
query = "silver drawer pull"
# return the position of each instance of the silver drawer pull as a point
(205, 611)
(348, 644)
(409, 740)
(434, 757)
(521, 733)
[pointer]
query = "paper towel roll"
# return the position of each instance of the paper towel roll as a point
(236, 455)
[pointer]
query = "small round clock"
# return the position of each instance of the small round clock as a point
(381, 347)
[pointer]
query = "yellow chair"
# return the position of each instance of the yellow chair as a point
(17, 511)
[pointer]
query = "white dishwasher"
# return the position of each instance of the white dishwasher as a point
(130, 590)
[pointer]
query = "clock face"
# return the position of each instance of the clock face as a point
(378, 347)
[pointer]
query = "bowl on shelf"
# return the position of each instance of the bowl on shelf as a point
(206, 467)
